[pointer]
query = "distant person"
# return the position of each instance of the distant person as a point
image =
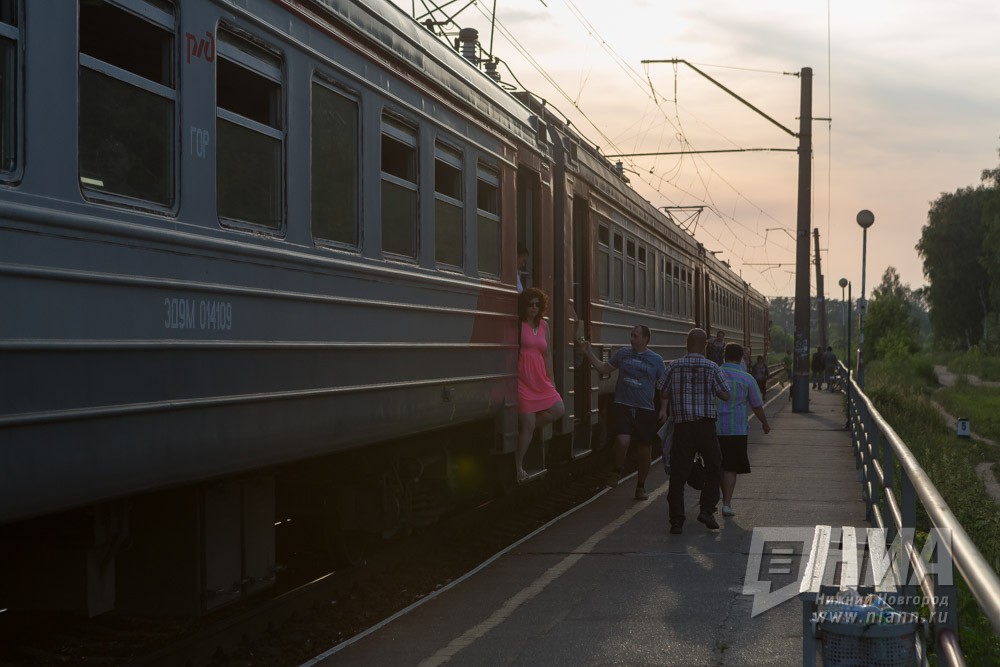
(690, 388)
(633, 413)
(759, 373)
(522, 267)
(817, 368)
(829, 366)
(733, 426)
(539, 402)
(716, 350)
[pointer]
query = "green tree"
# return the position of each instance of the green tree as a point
(781, 311)
(890, 328)
(781, 340)
(956, 255)
(991, 257)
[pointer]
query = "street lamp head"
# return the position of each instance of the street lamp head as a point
(866, 218)
(842, 282)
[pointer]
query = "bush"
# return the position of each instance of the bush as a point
(974, 362)
(923, 368)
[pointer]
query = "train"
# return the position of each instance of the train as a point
(258, 276)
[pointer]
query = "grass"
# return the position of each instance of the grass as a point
(974, 363)
(902, 391)
(981, 405)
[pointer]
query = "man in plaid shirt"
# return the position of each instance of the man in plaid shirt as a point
(690, 388)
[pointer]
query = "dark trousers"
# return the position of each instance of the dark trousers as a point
(690, 437)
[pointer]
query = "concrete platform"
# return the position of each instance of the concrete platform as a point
(608, 585)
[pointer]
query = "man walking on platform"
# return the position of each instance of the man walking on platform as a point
(690, 388)
(829, 366)
(733, 426)
(633, 413)
(817, 368)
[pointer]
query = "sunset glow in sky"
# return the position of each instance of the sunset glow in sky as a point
(912, 87)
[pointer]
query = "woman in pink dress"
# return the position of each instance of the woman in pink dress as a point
(540, 403)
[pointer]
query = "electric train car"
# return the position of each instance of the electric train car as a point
(627, 263)
(257, 276)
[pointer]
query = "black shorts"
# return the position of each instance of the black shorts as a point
(734, 453)
(635, 422)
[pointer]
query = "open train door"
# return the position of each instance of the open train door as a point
(584, 387)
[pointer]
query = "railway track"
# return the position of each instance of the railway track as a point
(305, 616)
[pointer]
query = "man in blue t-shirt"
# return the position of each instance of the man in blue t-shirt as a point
(733, 427)
(633, 412)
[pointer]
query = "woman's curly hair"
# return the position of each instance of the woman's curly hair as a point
(527, 295)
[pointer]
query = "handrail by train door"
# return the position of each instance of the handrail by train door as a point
(584, 387)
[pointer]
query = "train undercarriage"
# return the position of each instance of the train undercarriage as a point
(196, 548)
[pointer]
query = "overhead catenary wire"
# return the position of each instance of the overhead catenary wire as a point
(649, 176)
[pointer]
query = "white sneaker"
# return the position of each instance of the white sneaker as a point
(728, 511)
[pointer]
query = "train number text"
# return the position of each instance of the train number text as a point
(198, 314)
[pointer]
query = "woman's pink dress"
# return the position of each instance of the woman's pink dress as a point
(534, 389)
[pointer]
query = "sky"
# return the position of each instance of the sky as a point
(912, 88)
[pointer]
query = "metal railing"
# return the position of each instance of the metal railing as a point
(892, 505)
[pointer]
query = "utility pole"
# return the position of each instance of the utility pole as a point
(820, 300)
(800, 358)
(800, 361)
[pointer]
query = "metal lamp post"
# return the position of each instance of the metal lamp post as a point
(865, 219)
(843, 318)
(844, 282)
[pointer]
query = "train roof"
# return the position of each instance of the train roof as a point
(393, 30)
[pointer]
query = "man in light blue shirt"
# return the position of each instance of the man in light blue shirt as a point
(733, 425)
(634, 412)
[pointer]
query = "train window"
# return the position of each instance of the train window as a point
(668, 299)
(488, 218)
(630, 272)
(618, 273)
(249, 133)
(678, 309)
(449, 210)
(688, 293)
(399, 188)
(651, 282)
(661, 286)
(335, 177)
(603, 260)
(9, 109)
(686, 301)
(127, 100)
(641, 280)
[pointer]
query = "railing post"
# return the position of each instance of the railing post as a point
(946, 613)
(908, 504)
(889, 472)
(861, 430)
(863, 453)
(874, 483)
(908, 515)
